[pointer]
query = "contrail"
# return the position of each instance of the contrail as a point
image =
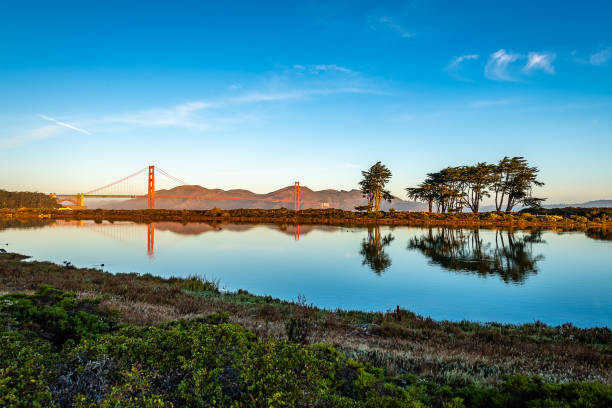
(64, 124)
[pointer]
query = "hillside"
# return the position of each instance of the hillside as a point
(341, 199)
(18, 199)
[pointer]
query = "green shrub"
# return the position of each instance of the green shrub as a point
(207, 362)
(55, 315)
(25, 370)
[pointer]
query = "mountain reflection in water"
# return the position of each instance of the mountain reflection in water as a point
(510, 256)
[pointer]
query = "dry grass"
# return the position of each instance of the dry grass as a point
(458, 353)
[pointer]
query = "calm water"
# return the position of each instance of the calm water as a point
(483, 275)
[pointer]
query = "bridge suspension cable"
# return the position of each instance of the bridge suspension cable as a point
(170, 176)
(117, 182)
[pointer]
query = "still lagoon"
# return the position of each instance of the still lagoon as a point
(453, 274)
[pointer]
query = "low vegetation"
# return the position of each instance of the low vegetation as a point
(86, 338)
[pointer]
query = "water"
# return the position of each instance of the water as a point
(478, 275)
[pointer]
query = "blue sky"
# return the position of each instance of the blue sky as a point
(258, 94)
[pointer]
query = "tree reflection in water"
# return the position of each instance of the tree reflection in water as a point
(510, 256)
(373, 250)
(603, 234)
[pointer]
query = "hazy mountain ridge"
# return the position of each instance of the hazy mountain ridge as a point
(342, 199)
(588, 204)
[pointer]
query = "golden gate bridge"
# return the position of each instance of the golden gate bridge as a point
(110, 191)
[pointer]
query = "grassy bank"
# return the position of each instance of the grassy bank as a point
(127, 332)
(567, 218)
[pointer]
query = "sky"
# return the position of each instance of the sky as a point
(257, 95)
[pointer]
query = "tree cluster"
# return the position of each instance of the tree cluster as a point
(452, 189)
(10, 199)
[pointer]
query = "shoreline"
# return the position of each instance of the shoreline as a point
(571, 219)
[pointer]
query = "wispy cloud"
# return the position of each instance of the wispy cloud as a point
(319, 68)
(456, 62)
(539, 61)
(181, 115)
(398, 29)
(43, 132)
(40, 133)
(351, 166)
(332, 67)
(274, 96)
(601, 57)
(497, 65)
(64, 124)
(454, 67)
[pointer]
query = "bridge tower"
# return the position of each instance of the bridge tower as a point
(151, 188)
(296, 196)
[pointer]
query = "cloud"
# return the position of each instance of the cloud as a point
(319, 68)
(64, 124)
(351, 166)
(454, 64)
(178, 116)
(43, 132)
(332, 67)
(601, 57)
(273, 96)
(539, 61)
(497, 65)
(397, 28)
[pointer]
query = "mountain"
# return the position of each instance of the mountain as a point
(342, 199)
(588, 204)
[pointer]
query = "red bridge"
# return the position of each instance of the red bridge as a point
(78, 200)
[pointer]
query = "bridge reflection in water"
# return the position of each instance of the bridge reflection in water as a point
(130, 232)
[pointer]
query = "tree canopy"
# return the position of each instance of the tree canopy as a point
(454, 188)
(11, 199)
(373, 185)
